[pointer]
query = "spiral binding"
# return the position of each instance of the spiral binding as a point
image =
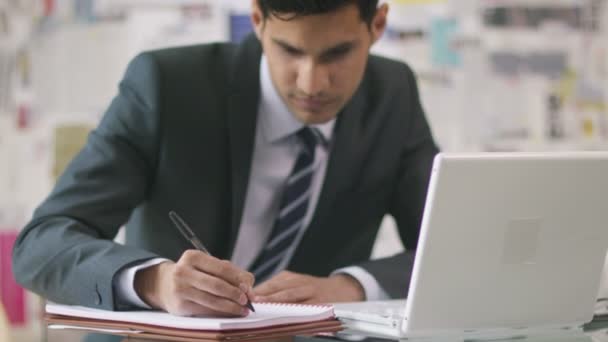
(319, 306)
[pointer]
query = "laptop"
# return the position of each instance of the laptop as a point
(511, 244)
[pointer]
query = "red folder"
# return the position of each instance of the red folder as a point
(11, 294)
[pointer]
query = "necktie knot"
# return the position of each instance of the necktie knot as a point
(310, 137)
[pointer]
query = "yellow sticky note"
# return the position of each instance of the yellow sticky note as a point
(69, 140)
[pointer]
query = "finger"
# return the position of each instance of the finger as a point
(270, 286)
(281, 281)
(285, 275)
(214, 303)
(291, 295)
(222, 269)
(229, 272)
(288, 275)
(215, 286)
(181, 304)
(249, 293)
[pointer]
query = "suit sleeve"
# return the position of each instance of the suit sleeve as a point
(407, 202)
(66, 252)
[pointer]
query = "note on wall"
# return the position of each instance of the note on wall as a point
(69, 140)
(443, 52)
(155, 28)
(11, 294)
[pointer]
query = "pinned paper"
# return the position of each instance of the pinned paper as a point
(443, 51)
(11, 294)
(69, 140)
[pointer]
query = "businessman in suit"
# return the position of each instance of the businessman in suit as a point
(283, 153)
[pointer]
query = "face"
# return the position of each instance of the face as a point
(317, 62)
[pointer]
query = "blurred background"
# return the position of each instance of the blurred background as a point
(495, 75)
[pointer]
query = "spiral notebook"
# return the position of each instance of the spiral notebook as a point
(269, 320)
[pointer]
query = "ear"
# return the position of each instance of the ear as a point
(378, 24)
(257, 18)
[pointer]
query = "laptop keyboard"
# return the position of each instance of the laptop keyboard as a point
(386, 312)
(372, 311)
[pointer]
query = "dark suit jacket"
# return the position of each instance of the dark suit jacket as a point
(179, 135)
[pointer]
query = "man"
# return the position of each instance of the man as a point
(283, 154)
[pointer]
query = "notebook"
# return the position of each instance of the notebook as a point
(270, 320)
(510, 244)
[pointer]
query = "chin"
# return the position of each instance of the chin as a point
(309, 118)
(314, 119)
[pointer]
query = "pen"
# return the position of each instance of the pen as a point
(183, 228)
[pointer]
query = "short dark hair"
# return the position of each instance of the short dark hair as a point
(290, 9)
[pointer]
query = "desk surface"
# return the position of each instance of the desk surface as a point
(594, 332)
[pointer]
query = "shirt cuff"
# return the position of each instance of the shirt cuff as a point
(371, 287)
(125, 279)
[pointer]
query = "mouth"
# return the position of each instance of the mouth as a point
(311, 104)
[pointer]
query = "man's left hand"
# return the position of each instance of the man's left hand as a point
(289, 287)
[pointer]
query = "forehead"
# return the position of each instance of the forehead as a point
(317, 32)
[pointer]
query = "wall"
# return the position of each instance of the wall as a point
(494, 75)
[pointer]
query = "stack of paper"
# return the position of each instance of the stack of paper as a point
(269, 321)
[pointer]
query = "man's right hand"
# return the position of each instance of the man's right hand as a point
(198, 284)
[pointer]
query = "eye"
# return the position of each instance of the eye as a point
(336, 54)
(291, 51)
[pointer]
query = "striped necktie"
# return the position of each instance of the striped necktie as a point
(293, 208)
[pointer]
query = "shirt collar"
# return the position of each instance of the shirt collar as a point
(276, 119)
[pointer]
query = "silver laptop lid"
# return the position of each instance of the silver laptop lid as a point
(510, 241)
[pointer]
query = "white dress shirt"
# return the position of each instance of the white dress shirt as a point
(274, 156)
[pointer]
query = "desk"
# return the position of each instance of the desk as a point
(594, 332)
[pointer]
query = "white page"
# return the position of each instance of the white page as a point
(266, 315)
(101, 330)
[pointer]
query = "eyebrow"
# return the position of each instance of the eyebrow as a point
(341, 47)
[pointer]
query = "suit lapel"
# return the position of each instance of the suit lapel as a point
(242, 118)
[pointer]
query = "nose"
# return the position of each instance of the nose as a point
(313, 78)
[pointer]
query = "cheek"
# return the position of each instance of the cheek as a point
(347, 75)
(287, 68)
(284, 77)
